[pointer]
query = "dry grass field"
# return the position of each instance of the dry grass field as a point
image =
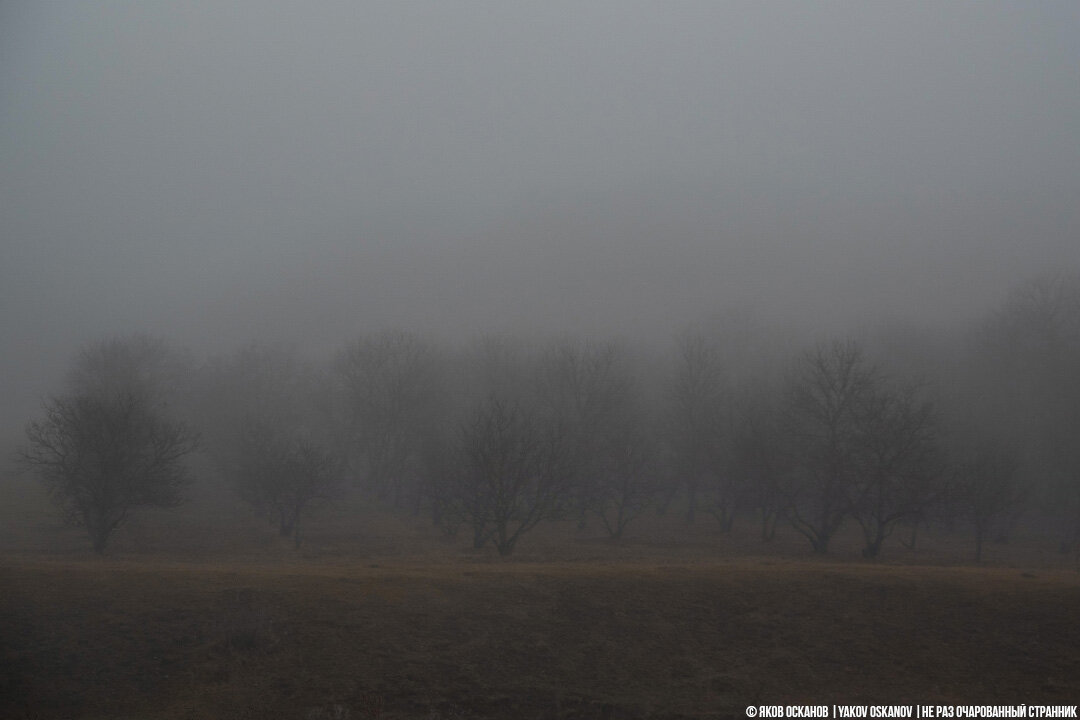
(203, 613)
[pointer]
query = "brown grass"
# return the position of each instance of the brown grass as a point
(383, 617)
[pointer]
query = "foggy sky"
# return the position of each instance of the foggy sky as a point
(215, 172)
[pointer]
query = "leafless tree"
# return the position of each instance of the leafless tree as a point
(392, 392)
(260, 385)
(989, 488)
(697, 423)
(1027, 355)
(510, 474)
(586, 390)
(627, 478)
(825, 394)
(284, 476)
(110, 445)
(138, 363)
(760, 458)
(267, 430)
(103, 456)
(494, 365)
(498, 365)
(899, 463)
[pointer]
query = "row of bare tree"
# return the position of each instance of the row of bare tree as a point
(889, 432)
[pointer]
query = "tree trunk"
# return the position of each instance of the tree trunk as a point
(873, 547)
(726, 518)
(479, 536)
(665, 502)
(768, 525)
(99, 529)
(910, 543)
(285, 525)
(100, 538)
(874, 537)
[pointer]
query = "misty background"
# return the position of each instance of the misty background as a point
(216, 173)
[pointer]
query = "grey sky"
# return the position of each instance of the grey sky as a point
(215, 171)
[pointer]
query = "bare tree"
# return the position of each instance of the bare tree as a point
(499, 365)
(899, 462)
(270, 436)
(760, 458)
(510, 474)
(138, 363)
(284, 476)
(626, 480)
(260, 385)
(103, 456)
(489, 366)
(825, 395)
(696, 424)
(1027, 355)
(109, 446)
(586, 389)
(989, 489)
(393, 396)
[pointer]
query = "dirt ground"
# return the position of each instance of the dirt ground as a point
(204, 613)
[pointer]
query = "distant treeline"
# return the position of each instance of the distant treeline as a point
(891, 429)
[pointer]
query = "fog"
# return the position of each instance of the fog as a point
(214, 172)
(427, 359)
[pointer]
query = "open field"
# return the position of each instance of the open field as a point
(189, 616)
